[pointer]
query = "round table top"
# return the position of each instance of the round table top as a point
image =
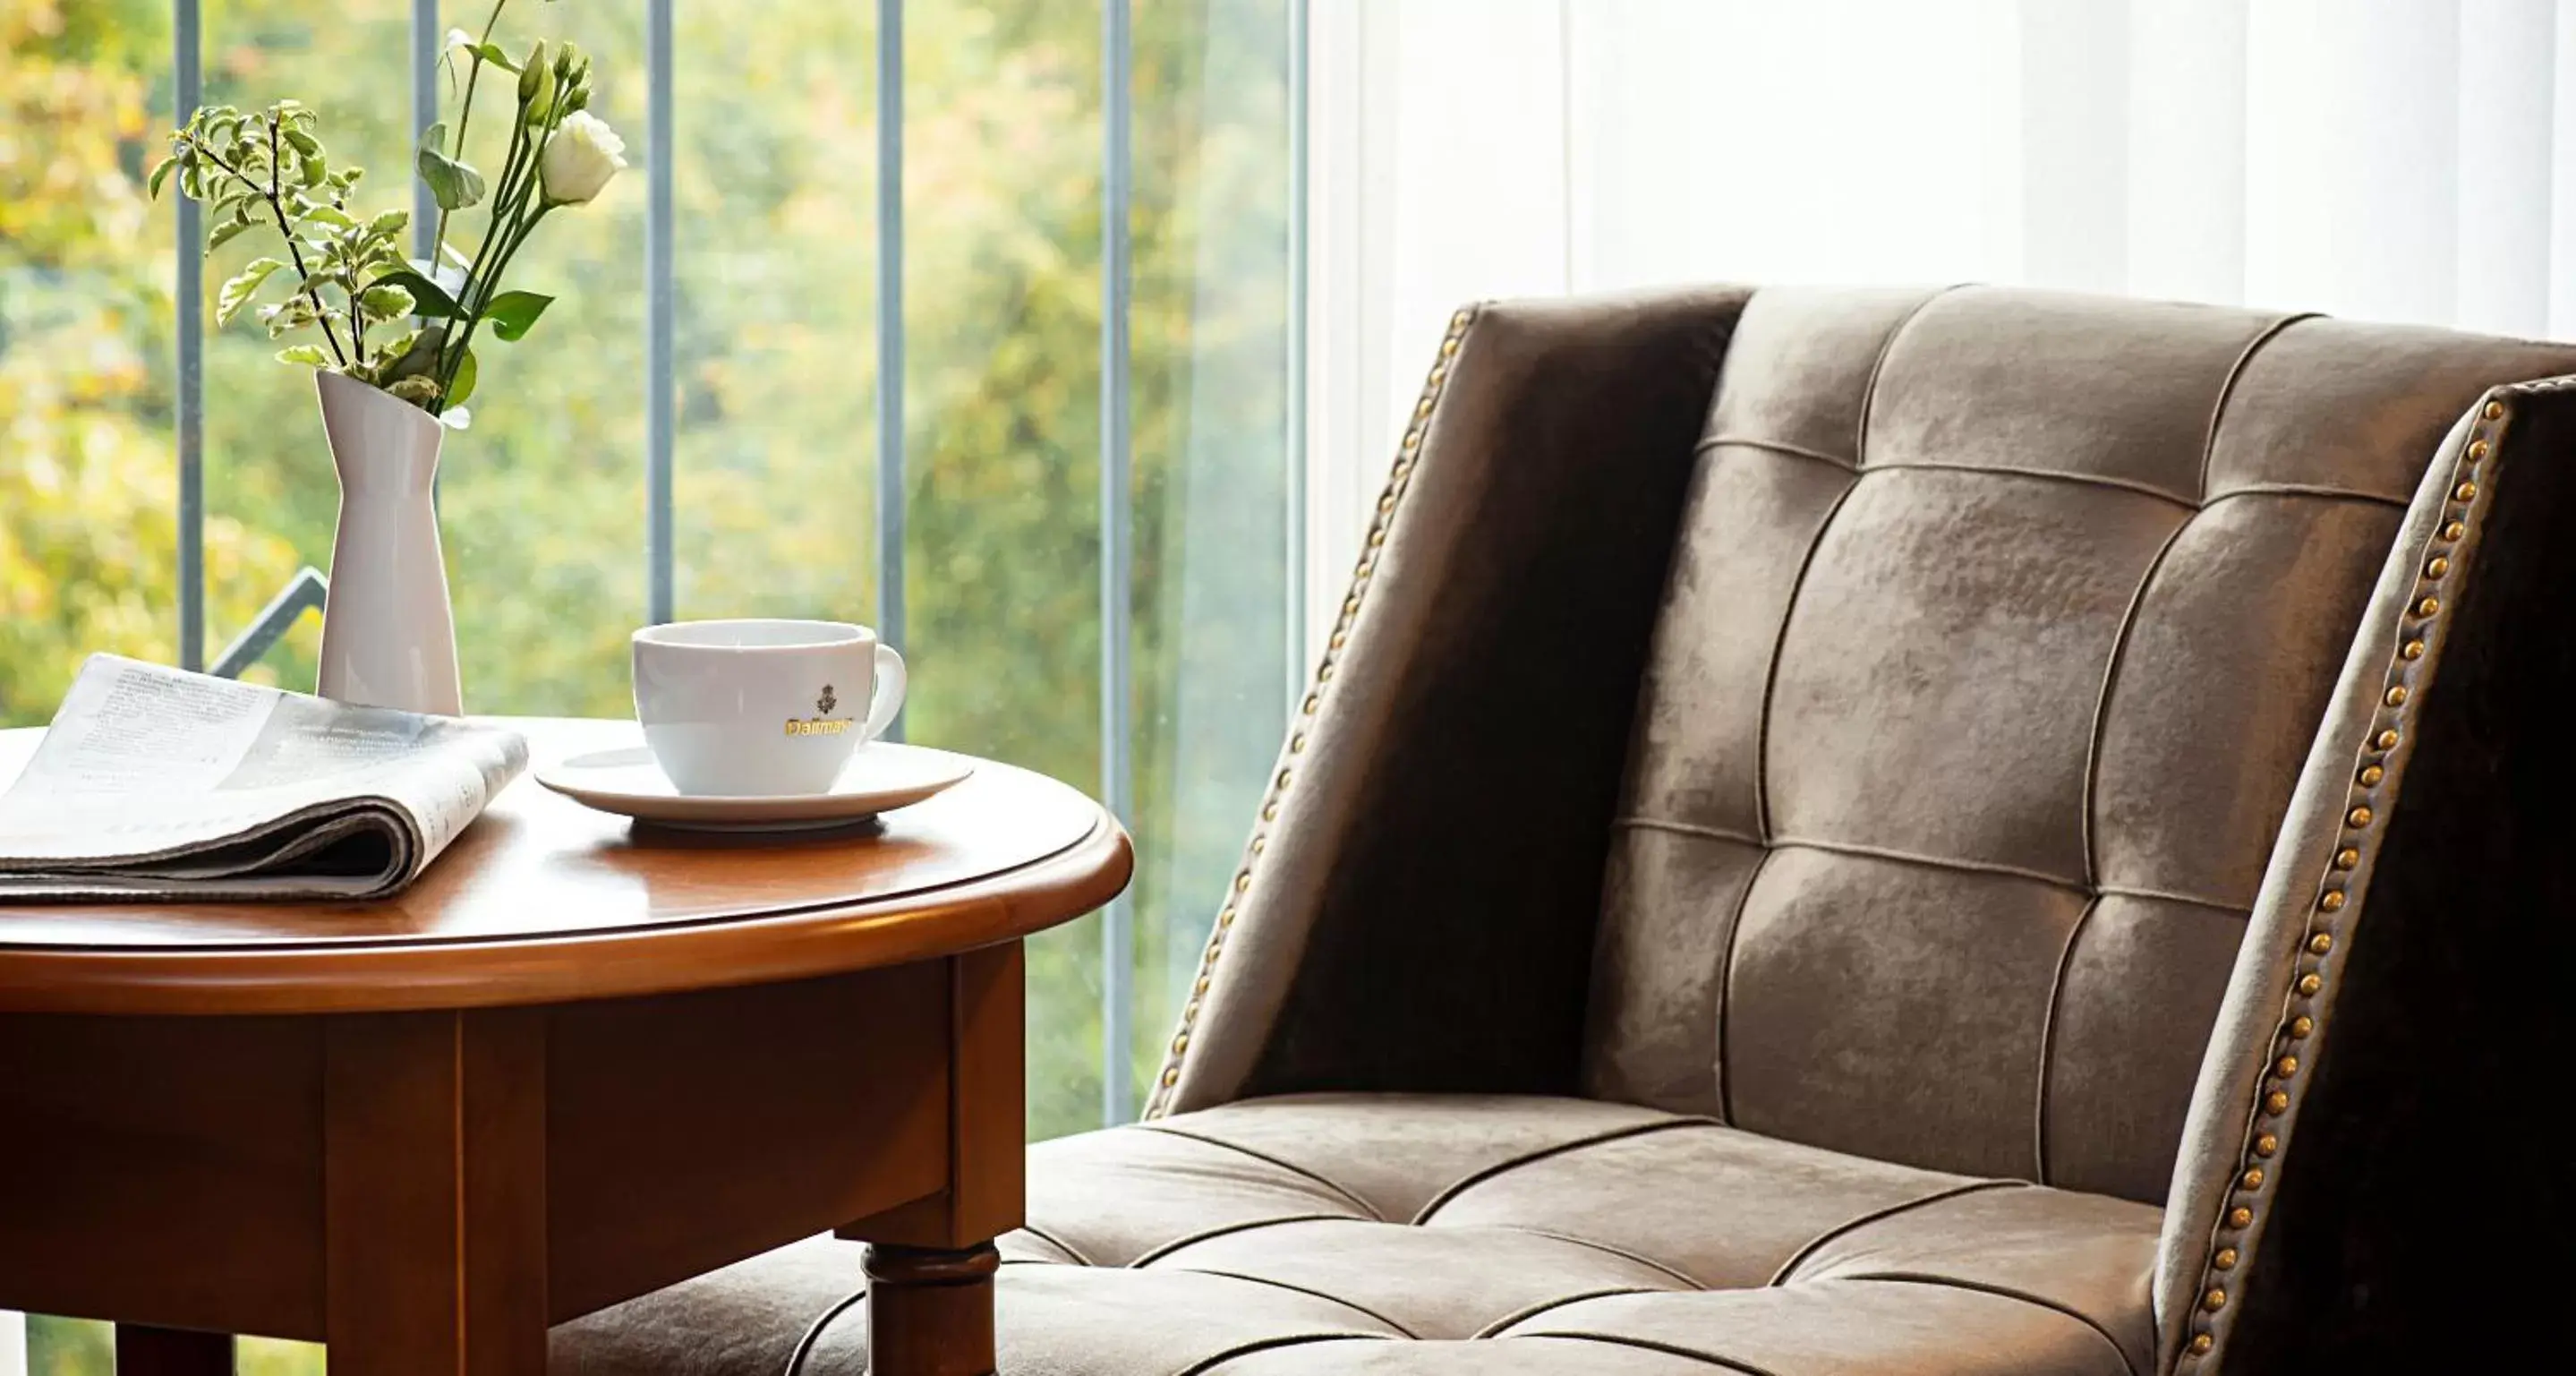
(543, 901)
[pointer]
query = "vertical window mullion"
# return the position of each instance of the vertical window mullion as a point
(1117, 574)
(425, 36)
(189, 285)
(660, 403)
(1293, 448)
(890, 360)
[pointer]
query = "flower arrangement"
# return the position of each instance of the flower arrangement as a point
(406, 326)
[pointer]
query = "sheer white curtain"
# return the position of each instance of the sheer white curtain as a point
(2397, 159)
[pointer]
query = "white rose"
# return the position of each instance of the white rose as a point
(580, 158)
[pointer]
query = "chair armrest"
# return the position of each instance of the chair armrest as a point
(2364, 1184)
(1416, 906)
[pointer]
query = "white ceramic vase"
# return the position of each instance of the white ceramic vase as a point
(388, 638)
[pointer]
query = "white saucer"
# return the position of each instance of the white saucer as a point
(881, 777)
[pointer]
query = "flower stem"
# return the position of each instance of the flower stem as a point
(464, 120)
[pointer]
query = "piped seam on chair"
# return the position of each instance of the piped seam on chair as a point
(1725, 979)
(1609, 1249)
(1787, 1271)
(1645, 1345)
(1154, 1254)
(2227, 390)
(1878, 365)
(1080, 1258)
(1779, 643)
(2318, 490)
(1502, 1327)
(1795, 451)
(2171, 896)
(1484, 1173)
(1641, 822)
(2102, 699)
(1353, 1305)
(2004, 1292)
(1217, 1359)
(1164, 1126)
(1939, 862)
(2054, 475)
(2048, 1041)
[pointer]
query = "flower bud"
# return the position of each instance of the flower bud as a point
(533, 73)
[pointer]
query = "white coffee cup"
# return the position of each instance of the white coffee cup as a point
(758, 708)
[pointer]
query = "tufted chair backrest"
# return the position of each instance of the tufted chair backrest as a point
(1997, 630)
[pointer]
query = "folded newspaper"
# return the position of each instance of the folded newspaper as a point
(155, 783)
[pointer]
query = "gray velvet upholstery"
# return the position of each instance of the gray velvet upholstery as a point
(1805, 858)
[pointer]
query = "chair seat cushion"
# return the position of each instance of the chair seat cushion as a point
(1385, 1233)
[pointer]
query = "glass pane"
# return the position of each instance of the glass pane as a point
(775, 246)
(88, 473)
(1210, 333)
(541, 503)
(1002, 306)
(268, 472)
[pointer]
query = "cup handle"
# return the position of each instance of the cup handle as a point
(888, 699)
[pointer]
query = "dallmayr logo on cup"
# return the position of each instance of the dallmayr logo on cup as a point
(724, 703)
(817, 725)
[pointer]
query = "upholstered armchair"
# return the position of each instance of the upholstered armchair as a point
(1839, 832)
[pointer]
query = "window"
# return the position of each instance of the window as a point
(834, 238)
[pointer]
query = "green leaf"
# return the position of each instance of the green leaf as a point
(435, 136)
(454, 185)
(225, 233)
(459, 41)
(390, 222)
(237, 292)
(311, 355)
(463, 384)
(302, 142)
(385, 303)
(512, 312)
(161, 173)
(427, 297)
(328, 215)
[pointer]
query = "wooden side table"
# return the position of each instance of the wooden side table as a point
(577, 1062)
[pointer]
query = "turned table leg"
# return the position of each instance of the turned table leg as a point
(930, 1310)
(144, 1351)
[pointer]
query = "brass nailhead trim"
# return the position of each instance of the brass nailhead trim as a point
(1398, 479)
(2299, 1025)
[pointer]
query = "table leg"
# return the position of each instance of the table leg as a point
(434, 1193)
(930, 1263)
(930, 1310)
(144, 1351)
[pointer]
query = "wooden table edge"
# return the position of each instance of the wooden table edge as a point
(617, 963)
